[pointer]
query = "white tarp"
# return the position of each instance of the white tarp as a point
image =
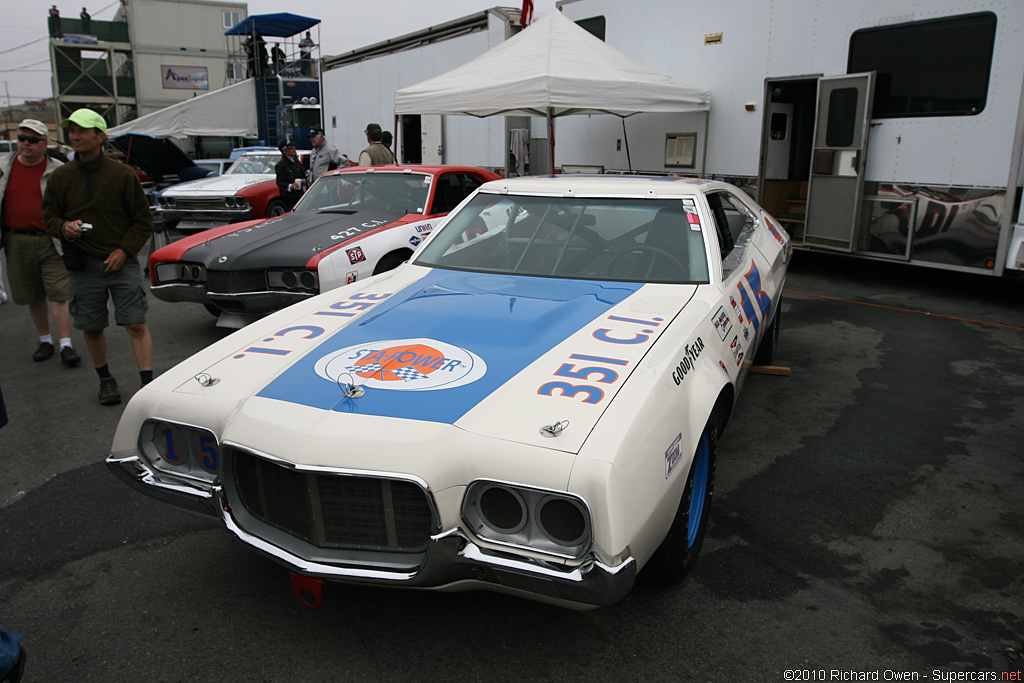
(226, 112)
(551, 65)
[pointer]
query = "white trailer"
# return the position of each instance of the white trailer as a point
(359, 88)
(799, 88)
(890, 129)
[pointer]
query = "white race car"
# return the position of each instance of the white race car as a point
(530, 405)
(246, 190)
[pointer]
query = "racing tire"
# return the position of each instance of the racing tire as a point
(275, 208)
(391, 261)
(770, 344)
(677, 554)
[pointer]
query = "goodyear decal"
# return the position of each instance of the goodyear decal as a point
(462, 335)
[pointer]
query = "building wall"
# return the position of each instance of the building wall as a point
(364, 92)
(177, 33)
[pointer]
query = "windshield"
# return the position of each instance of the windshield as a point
(254, 163)
(348, 192)
(307, 117)
(631, 240)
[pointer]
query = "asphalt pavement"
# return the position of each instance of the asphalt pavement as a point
(867, 525)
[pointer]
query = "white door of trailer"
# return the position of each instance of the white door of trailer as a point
(432, 139)
(838, 160)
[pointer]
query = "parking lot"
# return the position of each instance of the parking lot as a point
(868, 521)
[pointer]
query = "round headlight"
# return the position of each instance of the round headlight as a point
(288, 279)
(563, 520)
(307, 279)
(502, 509)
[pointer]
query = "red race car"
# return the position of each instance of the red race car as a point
(351, 224)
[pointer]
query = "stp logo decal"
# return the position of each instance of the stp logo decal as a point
(355, 255)
(403, 365)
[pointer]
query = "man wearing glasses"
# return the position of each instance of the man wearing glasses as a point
(34, 267)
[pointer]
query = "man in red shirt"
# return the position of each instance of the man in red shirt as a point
(34, 267)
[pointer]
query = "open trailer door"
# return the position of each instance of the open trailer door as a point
(838, 160)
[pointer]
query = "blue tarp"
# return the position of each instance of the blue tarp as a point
(281, 25)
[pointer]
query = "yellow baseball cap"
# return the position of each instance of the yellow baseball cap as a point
(86, 118)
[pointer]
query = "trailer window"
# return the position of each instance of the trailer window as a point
(927, 68)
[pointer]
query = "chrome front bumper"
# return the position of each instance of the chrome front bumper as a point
(176, 292)
(451, 557)
(257, 303)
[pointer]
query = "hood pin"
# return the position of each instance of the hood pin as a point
(551, 431)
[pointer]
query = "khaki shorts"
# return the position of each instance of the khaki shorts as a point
(34, 268)
(91, 288)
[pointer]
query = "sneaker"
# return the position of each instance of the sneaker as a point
(68, 356)
(109, 395)
(43, 351)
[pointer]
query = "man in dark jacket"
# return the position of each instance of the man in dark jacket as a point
(98, 209)
(290, 175)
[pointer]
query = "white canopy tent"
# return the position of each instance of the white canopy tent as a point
(552, 68)
(226, 112)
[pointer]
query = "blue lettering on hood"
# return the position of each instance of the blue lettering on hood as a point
(436, 349)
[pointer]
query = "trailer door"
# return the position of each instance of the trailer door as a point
(432, 140)
(838, 160)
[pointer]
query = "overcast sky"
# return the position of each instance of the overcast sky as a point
(346, 25)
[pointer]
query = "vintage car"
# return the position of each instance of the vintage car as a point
(530, 405)
(245, 191)
(215, 166)
(351, 224)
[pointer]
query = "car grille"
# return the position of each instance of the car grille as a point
(332, 510)
(236, 282)
(198, 203)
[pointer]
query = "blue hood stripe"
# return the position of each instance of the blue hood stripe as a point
(487, 328)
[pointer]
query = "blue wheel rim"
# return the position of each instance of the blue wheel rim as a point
(700, 488)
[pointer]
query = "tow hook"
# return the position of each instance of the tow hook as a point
(307, 589)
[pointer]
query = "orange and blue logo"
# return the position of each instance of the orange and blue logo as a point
(402, 365)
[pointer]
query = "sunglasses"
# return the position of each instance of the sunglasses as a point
(32, 139)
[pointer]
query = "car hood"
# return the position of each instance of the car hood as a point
(222, 185)
(289, 241)
(160, 158)
(479, 352)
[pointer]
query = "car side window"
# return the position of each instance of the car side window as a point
(735, 225)
(447, 193)
(451, 189)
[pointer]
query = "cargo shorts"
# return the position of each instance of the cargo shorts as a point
(34, 268)
(91, 288)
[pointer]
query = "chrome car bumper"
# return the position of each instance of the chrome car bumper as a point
(191, 293)
(194, 221)
(257, 303)
(451, 557)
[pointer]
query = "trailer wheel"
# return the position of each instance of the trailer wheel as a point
(677, 554)
(770, 344)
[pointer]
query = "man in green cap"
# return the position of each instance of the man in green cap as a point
(97, 207)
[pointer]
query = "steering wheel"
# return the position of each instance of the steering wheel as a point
(640, 248)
